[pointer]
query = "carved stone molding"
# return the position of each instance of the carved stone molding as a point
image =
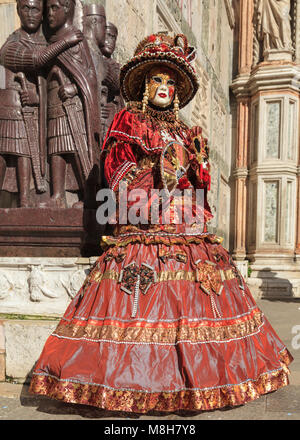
(240, 173)
(201, 108)
(40, 286)
(165, 18)
(267, 77)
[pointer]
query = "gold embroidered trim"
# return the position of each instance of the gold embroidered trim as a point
(142, 402)
(179, 275)
(177, 255)
(97, 277)
(152, 238)
(135, 333)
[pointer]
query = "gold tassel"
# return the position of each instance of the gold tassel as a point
(146, 96)
(176, 106)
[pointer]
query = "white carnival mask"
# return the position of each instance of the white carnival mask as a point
(161, 87)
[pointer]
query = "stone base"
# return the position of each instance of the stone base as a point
(278, 55)
(24, 342)
(34, 294)
(2, 352)
(35, 232)
(277, 282)
(243, 268)
(40, 286)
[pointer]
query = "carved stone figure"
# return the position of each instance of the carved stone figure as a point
(114, 102)
(75, 280)
(273, 25)
(6, 286)
(94, 27)
(73, 116)
(23, 102)
(37, 285)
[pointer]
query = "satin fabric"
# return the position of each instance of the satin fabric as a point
(164, 321)
(174, 344)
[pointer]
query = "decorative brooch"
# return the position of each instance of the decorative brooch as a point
(135, 279)
(211, 280)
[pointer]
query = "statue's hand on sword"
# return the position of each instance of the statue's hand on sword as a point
(30, 115)
(29, 97)
(67, 91)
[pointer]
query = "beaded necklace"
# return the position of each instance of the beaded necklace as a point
(160, 119)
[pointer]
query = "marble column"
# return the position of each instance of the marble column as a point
(241, 161)
(240, 175)
(245, 35)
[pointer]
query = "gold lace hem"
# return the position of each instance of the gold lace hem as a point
(137, 401)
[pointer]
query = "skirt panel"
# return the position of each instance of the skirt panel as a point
(158, 327)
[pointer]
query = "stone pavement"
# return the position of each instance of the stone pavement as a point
(17, 404)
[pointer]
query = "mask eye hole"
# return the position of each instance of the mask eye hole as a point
(157, 79)
(171, 82)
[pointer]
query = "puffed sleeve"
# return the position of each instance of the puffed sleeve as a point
(120, 162)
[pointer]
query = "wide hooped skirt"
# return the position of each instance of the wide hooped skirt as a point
(162, 323)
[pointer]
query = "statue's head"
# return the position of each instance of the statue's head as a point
(94, 23)
(111, 36)
(31, 14)
(59, 12)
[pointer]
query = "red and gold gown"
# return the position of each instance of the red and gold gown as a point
(164, 321)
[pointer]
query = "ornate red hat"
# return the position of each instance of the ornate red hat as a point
(156, 50)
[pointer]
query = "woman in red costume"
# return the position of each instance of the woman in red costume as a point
(164, 320)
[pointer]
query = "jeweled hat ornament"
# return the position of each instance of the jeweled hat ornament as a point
(161, 50)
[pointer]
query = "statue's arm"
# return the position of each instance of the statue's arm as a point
(19, 57)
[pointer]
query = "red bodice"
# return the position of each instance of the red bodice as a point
(151, 154)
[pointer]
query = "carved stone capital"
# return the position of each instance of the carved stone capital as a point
(240, 173)
(267, 77)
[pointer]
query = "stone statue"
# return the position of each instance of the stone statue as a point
(23, 102)
(273, 25)
(114, 101)
(73, 114)
(94, 29)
